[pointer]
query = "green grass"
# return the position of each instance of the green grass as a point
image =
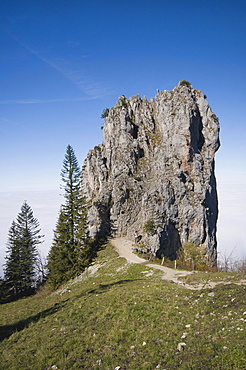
(124, 317)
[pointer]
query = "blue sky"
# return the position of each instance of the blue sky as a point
(63, 62)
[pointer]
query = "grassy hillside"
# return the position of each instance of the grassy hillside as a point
(125, 317)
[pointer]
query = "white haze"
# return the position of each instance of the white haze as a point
(46, 204)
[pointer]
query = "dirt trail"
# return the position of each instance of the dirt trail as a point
(124, 247)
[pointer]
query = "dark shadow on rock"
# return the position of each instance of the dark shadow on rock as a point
(138, 238)
(169, 242)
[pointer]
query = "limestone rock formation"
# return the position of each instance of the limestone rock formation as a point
(154, 171)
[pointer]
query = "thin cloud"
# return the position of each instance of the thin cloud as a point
(8, 121)
(39, 56)
(6, 124)
(72, 72)
(42, 101)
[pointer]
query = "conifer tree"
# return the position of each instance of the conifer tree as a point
(71, 251)
(20, 268)
(3, 291)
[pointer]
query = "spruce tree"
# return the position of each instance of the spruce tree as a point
(3, 291)
(70, 251)
(20, 268)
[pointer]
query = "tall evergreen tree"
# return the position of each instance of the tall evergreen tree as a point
(20, 267)
(3, 291)
(70, 251)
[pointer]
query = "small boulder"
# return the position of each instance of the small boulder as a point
(181, 346)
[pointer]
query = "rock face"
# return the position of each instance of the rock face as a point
(155, 168)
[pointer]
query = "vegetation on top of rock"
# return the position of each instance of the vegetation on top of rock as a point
(149, 226)
(123, 101)
(185, 83)
(105, 113)
(215, 117)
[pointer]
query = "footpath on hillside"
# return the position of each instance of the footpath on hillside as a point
(124, 248)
